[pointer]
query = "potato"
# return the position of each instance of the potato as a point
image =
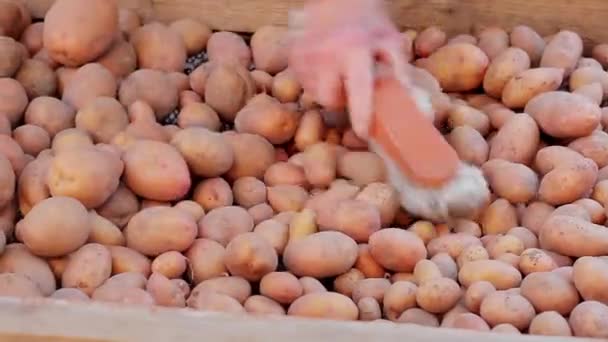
(542, 289)
(17, 285)
(466, 74)
(592, 147)
(120, 59)
(567, 234)
(428, 41)
(502, 275)
(528, 40)
(556, 106)
(269, 49)
(469, 321)
(438, 295)
(89, 82)
(369, 309)
(397, 250)
(92, 183)
(165, 292)
(452, 244)
(37, 78)
(87, 268)
(563, 51)
(249, 191)
(499, 217)
(357, 219)
(32, 185)
(446, 264)
(549, 323)
(128, 260)
(472, 253)
(514, 182)
(70, 294)
(501, 307)
(65, 38)
(266, 116)
(104, 232)
(517, 140)
(122, 294)
(213, 193)
(493, 41)
(324, 305)
(120, 206)
(32, 139)
(469, 144)
(260, 305)
(252, 155)
(475, 294)
(198, 114)
(590, 287)
(227, 47)
(384, 197)
(346, 282)
(463, 115)
(147, 231)
(283, 287)
(419, 317)
(262, 80)
(463, 38)
(351, 166)
(31, 37)
(426, 270)
(14, 153)
(320, 164)
(56, 216)
(310, 256)
(498, 114)
(16, 99)
(275, 232)
(128, 279)
(50, 113)
(162, 180)
(19, 260)
(251, 256)
(587, 320)
(208, 154)
(213, 301)
(223, 78)
(194, 34)
(528, 84)
(370, 288)
(312, 285)
(12, 57)
(285, 173)
(594, 208)
(225, 223)
(310, 130)
(592, 91)
(102, 118)
(205, 260)
(399, 297)
(468, 227)
(159, 48)
(285, 87)
(8, 181)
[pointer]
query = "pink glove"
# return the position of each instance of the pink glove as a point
(335, 47)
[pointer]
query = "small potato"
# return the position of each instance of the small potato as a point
(120, 206)
(159, 48)
(70, 294)
(493, 41)
(324, 305)
(152, 178)
(104, 232)
(19, 260)
(469, 144)
(514, 182)
(399, 297)
(357, 219)
(194, 34)
(370, 288)
(542, 289)
(535, 214)
(51, 114)
(472, 253)
(438, 295)
(366, 263)
(275, 232)
(268, 47)
(419, 317)
(285, 173)
(527, 84)
(260, 305)
(170, 264)
(205, 260)
(120, 59)
(14, 108)
(397, 250)
(17, 285)
(88, 268)
(153, 87)
(587, 320)
(528, 40)
(499, 217)
(320, 255)
(467, 72)
(89, 82)
(266, 116)
(251, 256)
(12, 57)
(452, 244)
(66, 40)
(102, 118)
(384, 197)
(213, 301)
(226, 46)
(225, 223)
(502, 275)
(282, 287)
(225, 78)
(128, 260)
(285, 87)
(345, 283)
(549, 323)
(501, 307)
(428, 41)
(517, 140)
(253, 155)
(361, 167)
(37, 78)
(463, 115)
(563, 51)
(198, 114)
(165, 292)
(213, 193)
(56, 216)
(208, 154)
(32, 139)
(475, 294)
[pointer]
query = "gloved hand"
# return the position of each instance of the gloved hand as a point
(335, 46)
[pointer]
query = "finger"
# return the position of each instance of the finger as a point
(329, 91)
(359, 84)
(390, 50)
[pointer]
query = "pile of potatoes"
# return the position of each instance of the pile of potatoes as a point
(253, 199)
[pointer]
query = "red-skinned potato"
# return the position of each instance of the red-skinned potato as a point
(224, 46)
(16, 103)
(89, 82)
(154, 87)
(159, 48)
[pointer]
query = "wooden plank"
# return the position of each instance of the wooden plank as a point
(45, 320)
(144, 8)
(455, 16)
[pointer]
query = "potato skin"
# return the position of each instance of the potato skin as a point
(469, 144)
(590, 286)
(517, 140)
(268, 48)
(575, 182)
(470, 64)
(229, 47)
(253, 155)
(503, 67)
(520, 89)
(224, 224)
(588, 319)
(90, 81)
(19, 260)
(502, 307)
(502, 275)
(126, 260)
(145, 85)
(563, 51)
(16, 285)
(266, 116)
(87, 268)
(397, 250)
(68, 41)
(159, 48)
(241, 261)
(148, 230)
(325, 305)
(208, 154)
(542, 289)
(514, 182)
(528, 40)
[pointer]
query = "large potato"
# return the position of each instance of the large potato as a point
(87, 268)
(53, 217)
(154, 87)
(225, 223)
(467, 66)
(156, 230)
(503, 67)
(320, 255)
(563, 51)
(71, 43)
(548, 291)
(253, 154)
(502, 307)
(228, 47)
(89, 82)
(517, 140)
(326, 305)
(156, 171)
(19, 260)
(208, 154)
(159, 48)
(588, 319)
(528, 40)
(529, 83)
(397, 249)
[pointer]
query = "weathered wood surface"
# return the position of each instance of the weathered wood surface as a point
(51, 321)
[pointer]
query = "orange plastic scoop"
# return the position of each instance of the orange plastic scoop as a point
(409, 138)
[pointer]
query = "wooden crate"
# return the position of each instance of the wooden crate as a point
(44, 320)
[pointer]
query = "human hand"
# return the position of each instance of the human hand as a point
(334, 50)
